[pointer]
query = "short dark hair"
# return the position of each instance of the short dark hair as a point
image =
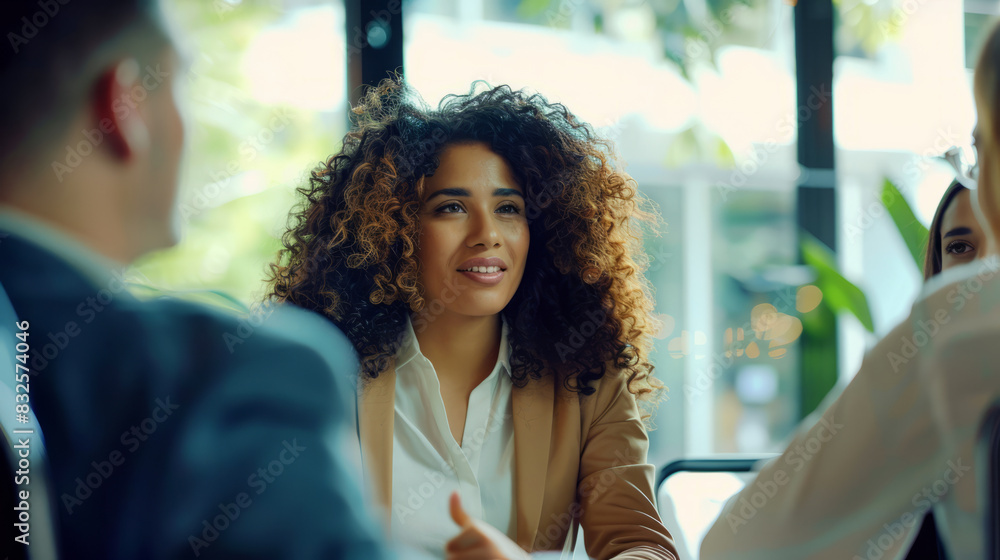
(53, 52)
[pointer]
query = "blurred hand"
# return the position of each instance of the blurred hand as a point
(478, 540)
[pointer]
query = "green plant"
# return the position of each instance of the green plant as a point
(840, 295)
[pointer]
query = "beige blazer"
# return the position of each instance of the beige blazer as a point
(575, 458)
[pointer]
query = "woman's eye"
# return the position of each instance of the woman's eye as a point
(450, 208)
(960, 248)
(509, 209)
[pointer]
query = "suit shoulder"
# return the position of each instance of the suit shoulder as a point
(609, 389)
(270, 322)
(272, 332)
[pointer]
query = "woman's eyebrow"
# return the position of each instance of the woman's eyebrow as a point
(507, 192)
(961, 230)
(459, 191)
(450, 191)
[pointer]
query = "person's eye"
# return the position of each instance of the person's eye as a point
(960, 248)
(450, 208)
(508, 208)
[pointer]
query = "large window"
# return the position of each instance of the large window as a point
(266, 102)
(700, 100)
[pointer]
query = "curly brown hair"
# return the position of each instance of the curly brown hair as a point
(583, 304)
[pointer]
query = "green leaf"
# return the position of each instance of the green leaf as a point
(913, 231)
(838, 292)
(532, 8)
(724, 157)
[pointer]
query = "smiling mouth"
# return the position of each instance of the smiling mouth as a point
(482, 269)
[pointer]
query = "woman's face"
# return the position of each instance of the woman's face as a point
(962, 239)
(473, 233)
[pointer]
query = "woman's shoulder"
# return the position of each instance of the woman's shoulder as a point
(609, 390)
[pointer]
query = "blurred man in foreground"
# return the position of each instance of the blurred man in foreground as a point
(171, 430)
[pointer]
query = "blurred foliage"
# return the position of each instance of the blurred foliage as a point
(691, 31)
(698, 143)
(819, 356)
(867, 25)
(841, 294)
(914, 233)
(244, 157)
(838, 292)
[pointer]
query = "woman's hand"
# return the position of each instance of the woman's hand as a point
(477, 539)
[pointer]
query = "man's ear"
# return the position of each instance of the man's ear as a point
(116, 103)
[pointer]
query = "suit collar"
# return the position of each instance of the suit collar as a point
(92, 265)
(532, 411)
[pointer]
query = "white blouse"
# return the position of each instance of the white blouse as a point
(428, 464)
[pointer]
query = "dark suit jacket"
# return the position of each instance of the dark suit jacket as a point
(175, 431)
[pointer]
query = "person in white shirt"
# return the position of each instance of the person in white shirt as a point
(899, 440)
(484, 259)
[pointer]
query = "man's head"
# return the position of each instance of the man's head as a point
(92, 134)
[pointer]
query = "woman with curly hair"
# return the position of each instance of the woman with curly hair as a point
(484, 258)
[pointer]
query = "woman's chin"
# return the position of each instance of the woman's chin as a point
(480, 308)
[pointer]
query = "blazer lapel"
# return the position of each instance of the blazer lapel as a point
(376, 412)
(532, 409)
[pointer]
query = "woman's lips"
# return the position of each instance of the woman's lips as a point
(487, 278)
